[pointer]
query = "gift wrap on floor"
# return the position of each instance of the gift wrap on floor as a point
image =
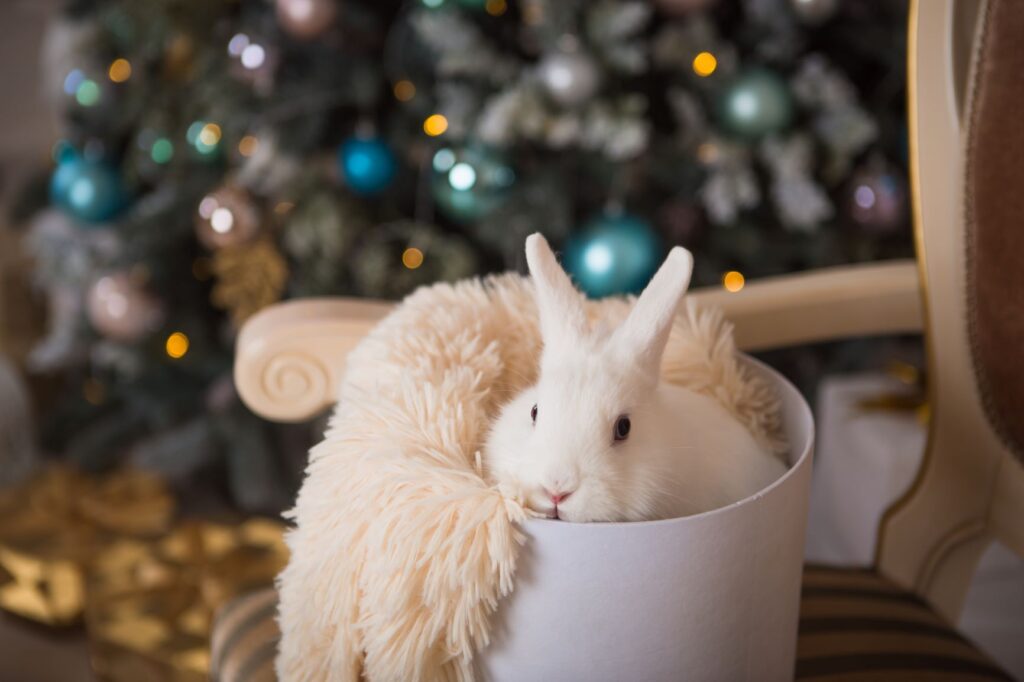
(865, 458)
(106, 551)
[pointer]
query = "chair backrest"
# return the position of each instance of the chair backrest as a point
(965, 60)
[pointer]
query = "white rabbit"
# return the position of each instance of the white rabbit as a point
(599, 438)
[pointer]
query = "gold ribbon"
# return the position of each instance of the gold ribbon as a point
(52, 529)
(151, 604)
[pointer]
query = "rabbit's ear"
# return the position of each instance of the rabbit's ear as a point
(559, 304)
(646, 330)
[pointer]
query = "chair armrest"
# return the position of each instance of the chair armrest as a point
(872, 299)
(289, 357)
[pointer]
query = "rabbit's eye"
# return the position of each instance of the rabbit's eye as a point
(622, 428)
(533, 413)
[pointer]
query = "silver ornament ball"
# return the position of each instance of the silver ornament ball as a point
(569, 77)
(814, 12)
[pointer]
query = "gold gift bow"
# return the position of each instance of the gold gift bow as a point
(52, 528)
(157, 600)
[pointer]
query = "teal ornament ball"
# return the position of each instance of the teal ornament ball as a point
(91, 191)
(470, 182)
(616, 253)
(367, 165)
(756, 103)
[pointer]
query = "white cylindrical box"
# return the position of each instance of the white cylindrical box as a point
(709, 597)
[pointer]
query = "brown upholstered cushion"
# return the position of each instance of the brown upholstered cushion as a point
(854, 625)
(994, 213)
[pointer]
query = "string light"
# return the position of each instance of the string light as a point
(120, 70)
(207, 206)
(496, 7)
(248, 145)
(707, 152)
(435, 125)
(238, 42)
(704, 64)
(404, 90)
(210, 134)
(162, 151)
(412, 258)
(204, 136)
(222, 220)
(733, 281)
(88, 93)
(444, 159)
(72, 81)
(253, 56)
(177, 345)
(462, 176)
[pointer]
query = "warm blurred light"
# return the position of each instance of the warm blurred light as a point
(210, 134)
(435, 125)
(412, 258)
(177, 345)
(120, 70)
(707, 152)
(496, 7)
(248, 145)
(733, 281)
(283, 207)
(704, 64)
(404, 90)
(204, 136)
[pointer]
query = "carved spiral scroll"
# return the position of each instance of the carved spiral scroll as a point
(295, 385)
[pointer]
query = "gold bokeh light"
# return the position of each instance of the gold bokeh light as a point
(733, 281)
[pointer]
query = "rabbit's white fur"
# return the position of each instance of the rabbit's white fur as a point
(685, 453)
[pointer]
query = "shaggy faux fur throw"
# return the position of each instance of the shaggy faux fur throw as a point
(401, 549)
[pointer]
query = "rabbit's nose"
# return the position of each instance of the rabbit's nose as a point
(559, 497)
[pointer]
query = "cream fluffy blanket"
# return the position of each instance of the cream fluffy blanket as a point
(401, 550)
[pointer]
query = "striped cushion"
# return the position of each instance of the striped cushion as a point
(244, 641)
(854, 626)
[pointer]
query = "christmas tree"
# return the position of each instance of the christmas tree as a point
(220, 156)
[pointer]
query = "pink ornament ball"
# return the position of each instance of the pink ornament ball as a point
(305, 19)
(122, 310)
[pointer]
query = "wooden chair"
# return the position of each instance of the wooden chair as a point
(965, 292)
